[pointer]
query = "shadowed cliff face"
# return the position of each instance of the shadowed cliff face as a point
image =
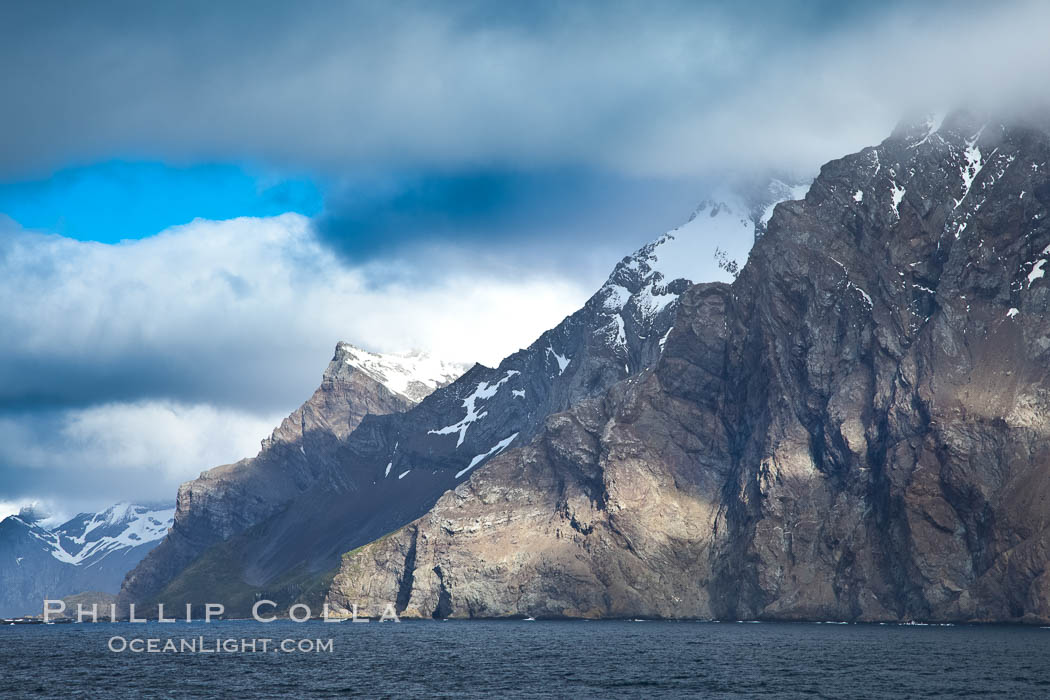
(302, 452)
(856, 429)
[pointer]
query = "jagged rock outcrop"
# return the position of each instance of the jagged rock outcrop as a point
(276, 533)
(855, 429)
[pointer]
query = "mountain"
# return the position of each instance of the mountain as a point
(92, 551)
(304, 451)
(412, 376)
(281, 538)
(855, 429)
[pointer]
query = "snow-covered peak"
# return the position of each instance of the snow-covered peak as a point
(88, 537)
(412, 375)
(711, 246)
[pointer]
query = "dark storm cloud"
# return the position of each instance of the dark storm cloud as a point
(50, 378)
(667, 88)
(363, 219)
(567, 220)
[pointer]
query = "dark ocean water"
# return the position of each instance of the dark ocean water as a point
(533, 659)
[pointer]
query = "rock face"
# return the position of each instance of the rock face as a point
(301, 452)
(282, 524)
(92, 551)
(855, 429)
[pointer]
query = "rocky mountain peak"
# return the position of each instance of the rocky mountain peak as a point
(324, 484)
(853, 430)
(411, 375)
(91, 536)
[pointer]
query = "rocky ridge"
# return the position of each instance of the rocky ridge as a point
(392, 468)
(301, 452)
(855, 429)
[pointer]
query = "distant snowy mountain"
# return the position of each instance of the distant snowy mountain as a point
(90, 537)
(411, 375)
(92, 551)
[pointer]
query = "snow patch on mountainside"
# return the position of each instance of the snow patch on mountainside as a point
(483, 391)
(562, 361)
(496, 449)
(1037, 272)
(896, 196)
(974, 162)
(412, 375)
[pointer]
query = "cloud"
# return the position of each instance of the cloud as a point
(572, 223)
(8, 508)
(129, 368)
(240, 313)
(103, 454)
(656, 89)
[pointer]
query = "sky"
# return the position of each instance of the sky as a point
(198, 200)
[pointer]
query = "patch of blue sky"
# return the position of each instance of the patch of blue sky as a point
(118, 200)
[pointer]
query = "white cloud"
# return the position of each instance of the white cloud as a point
(135, 451)
(168, 439)
(129, 368)
(8, 508)
(243, 312)
(49, 512)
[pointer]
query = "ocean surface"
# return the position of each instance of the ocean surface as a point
(525, 659)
